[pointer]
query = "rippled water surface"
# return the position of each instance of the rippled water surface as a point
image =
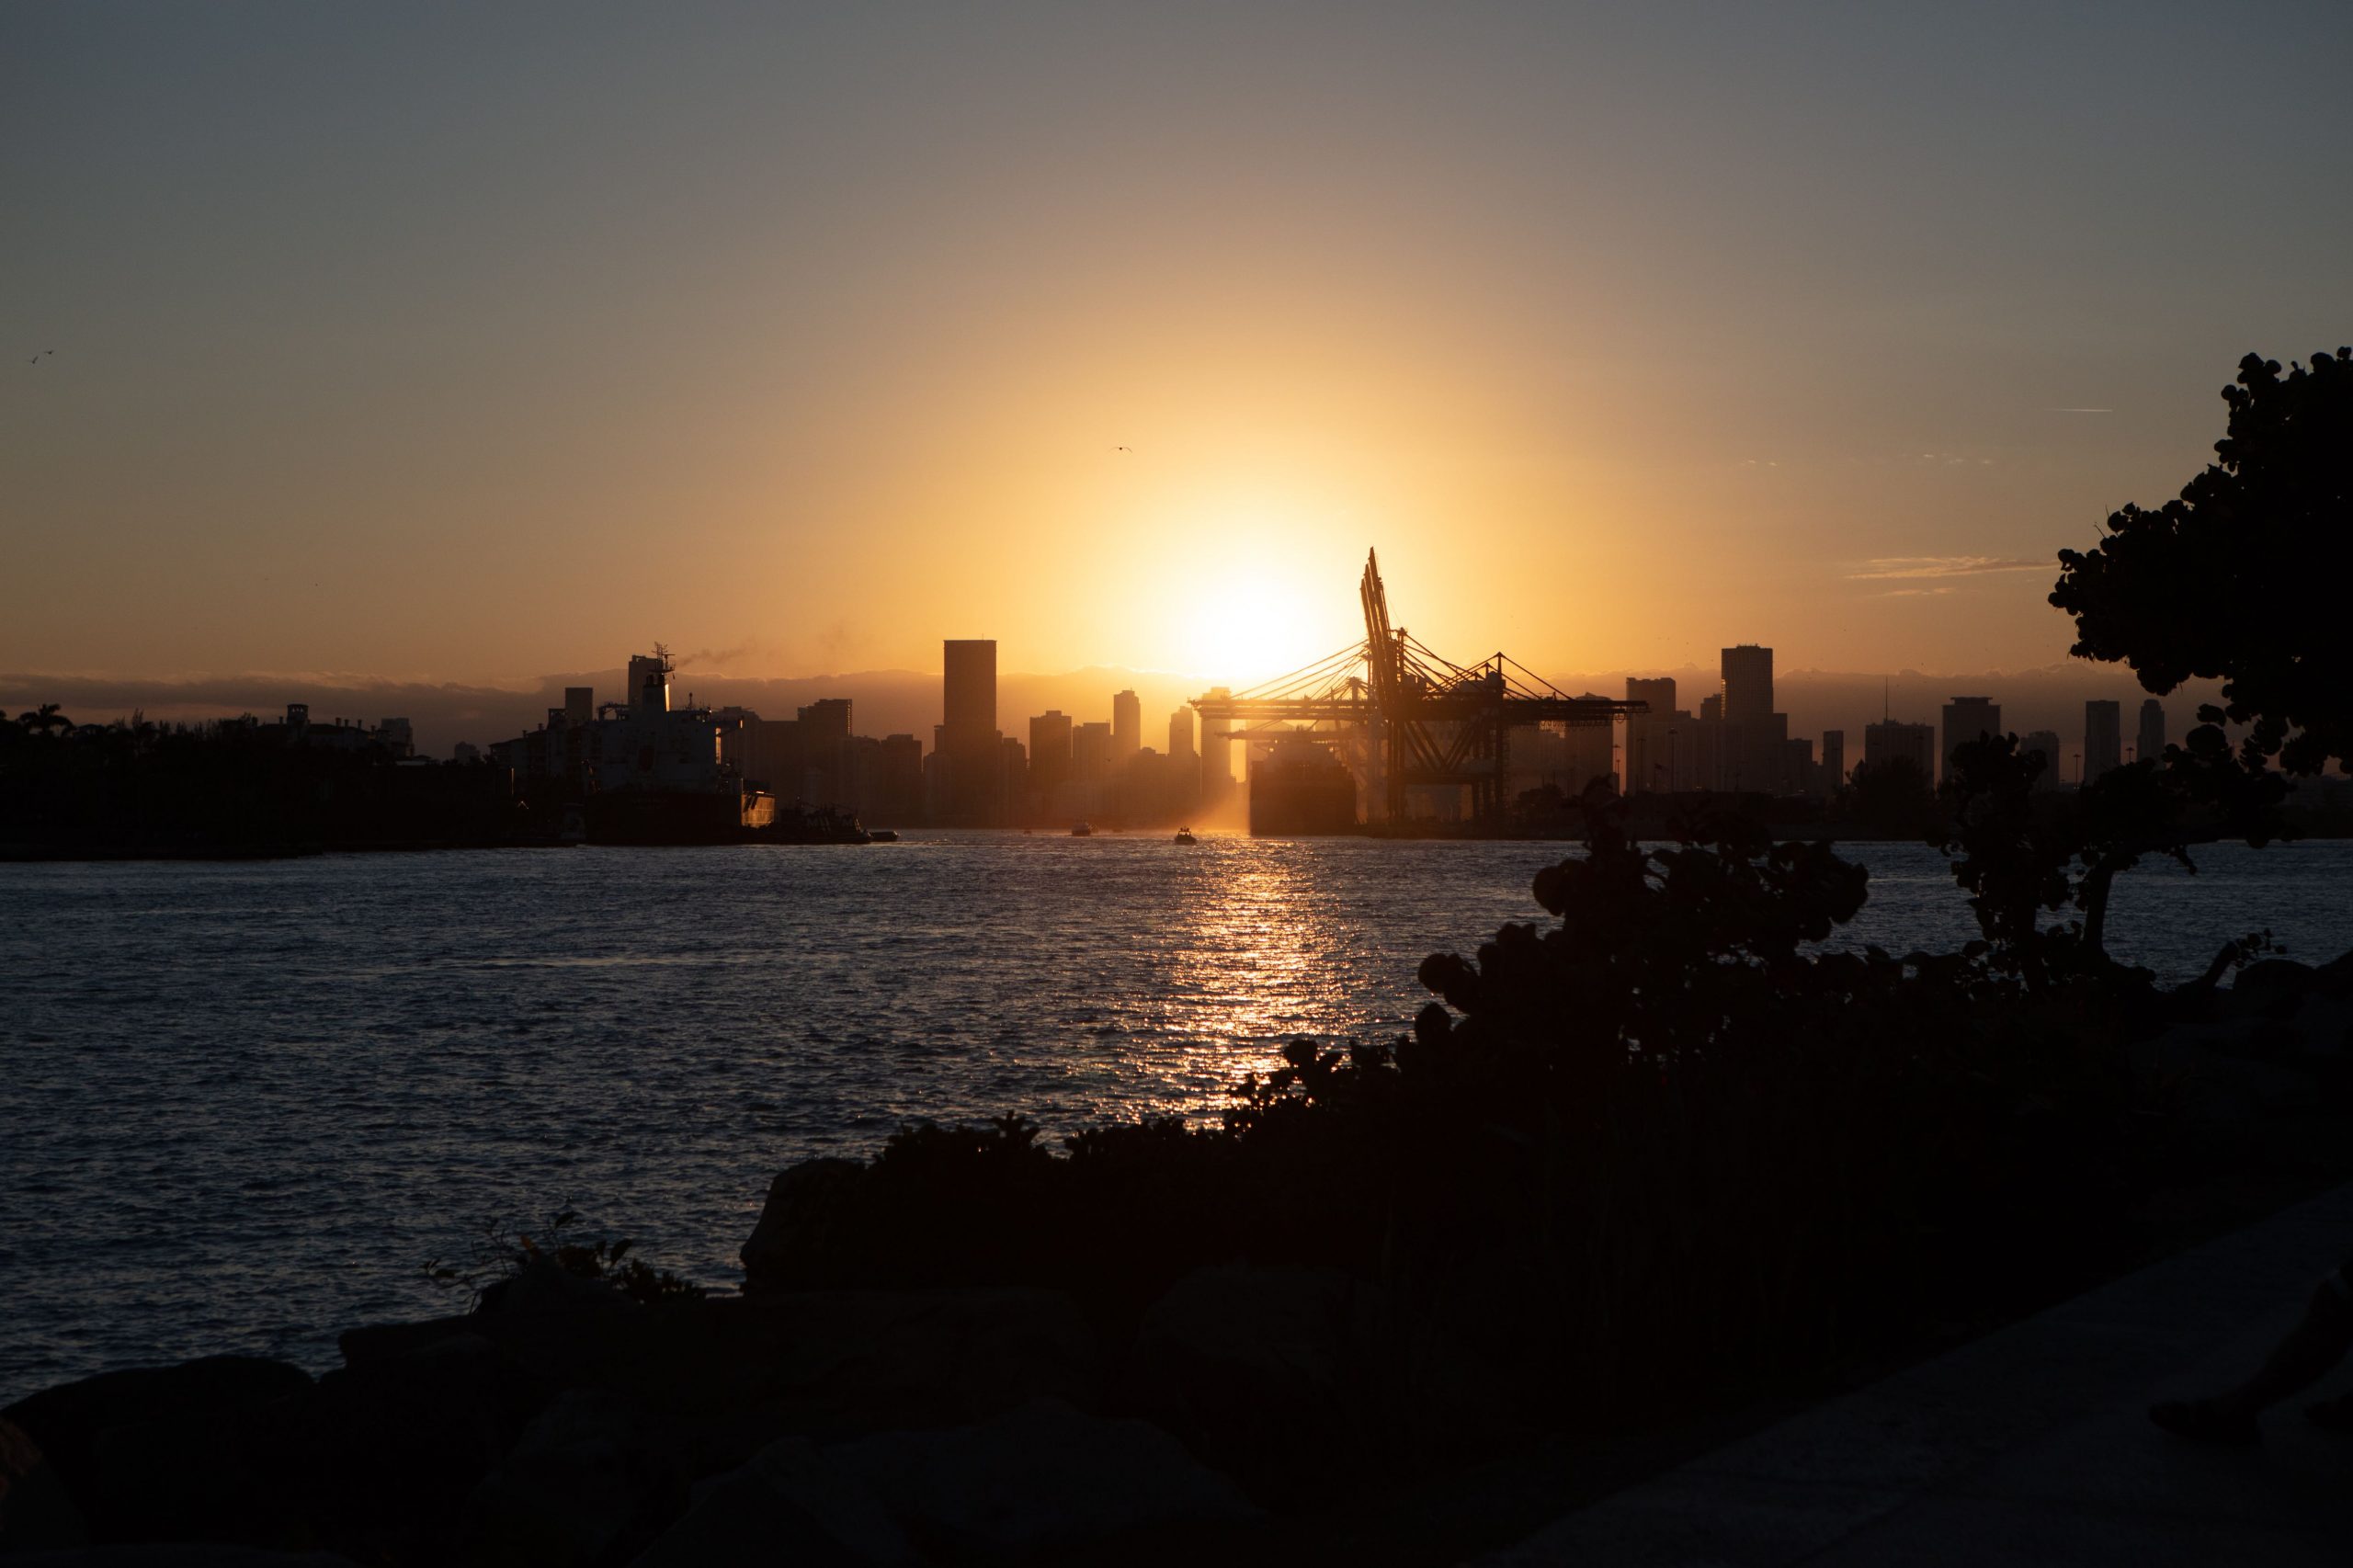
(241, 1104)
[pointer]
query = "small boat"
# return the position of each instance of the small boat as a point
(1185, 835)
(882, 835)
(1080, 830)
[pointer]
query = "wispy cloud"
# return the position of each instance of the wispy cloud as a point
(1911, 593)
(2079, 411)
(1897, 566)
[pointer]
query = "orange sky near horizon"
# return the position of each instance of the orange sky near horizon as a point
(470, 347)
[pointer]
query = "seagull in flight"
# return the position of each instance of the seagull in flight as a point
(37, 358)
(1123, 448)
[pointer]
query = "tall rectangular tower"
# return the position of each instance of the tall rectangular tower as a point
(2103, 737)
(968, 695)
(1748, 684)
(1833, 760)
(1126, 725)
(1967, 719)
(2150, 746)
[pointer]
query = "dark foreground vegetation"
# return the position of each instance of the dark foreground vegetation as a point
(1651, 1157)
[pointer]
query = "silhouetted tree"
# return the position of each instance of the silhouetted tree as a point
(44, 719)
(1891, 795)
(2230, 581)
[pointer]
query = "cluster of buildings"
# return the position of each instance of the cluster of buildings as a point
(1071, 768)
(1736, 742)
(974, 774)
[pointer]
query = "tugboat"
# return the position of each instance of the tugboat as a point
(1185, 835)
(1081, 830)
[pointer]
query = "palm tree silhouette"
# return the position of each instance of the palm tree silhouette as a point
(47, 719)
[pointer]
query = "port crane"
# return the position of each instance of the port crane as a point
(1415, 717)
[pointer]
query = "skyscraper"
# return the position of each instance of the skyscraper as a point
(1650, 748)
(1748, 684)
(1967, 719)
(2151, 745)
(1834, 760)
(969, 705)
(2045, 742)
(1181, 733)
(1126, 725)
(1050, 754)
(967, 762)
(1917, 743)
(2103, 737)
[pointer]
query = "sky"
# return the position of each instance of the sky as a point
(466, 344)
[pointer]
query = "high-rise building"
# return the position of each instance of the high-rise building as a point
(1090, 749)
(1894, 738)
(969, 684)
(1967, 719)
(1126, 725)
(2150, 746)
(1049, 757)
(580, 704)
(2044, 744)
(1833, 760)
(1650, 736)
(1181, 733)
(2103, 737)
(967, 762)
(1747, 688)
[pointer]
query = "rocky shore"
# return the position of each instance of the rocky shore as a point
(563, 1422)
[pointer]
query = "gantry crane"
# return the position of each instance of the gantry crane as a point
(1424, 718)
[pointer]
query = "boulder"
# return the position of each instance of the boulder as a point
(1297, 1377)
(801, 1223)
(784, 1506)
(1041, 1479)
(380, 1458)
(36, 1512)
(66, 1423)
(589, 1481)
(732, 1375)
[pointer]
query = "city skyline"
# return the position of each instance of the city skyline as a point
(382, 349)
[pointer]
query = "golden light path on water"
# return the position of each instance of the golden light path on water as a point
(244, 1101)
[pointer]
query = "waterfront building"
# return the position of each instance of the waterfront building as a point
(2103, 738)
(1891, 738)
(1652, 757)
(1968, 719)
(2150, 743)
(1747, 689)
(1090, 752)
(1050, 755)
(580, 704)
(1181, 733)
(967, 764)
(2045, 745)
(1127, 726)
(1833, 760)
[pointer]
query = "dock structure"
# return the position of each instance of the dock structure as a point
(1405, 716)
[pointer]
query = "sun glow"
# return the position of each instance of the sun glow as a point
(1243, 630)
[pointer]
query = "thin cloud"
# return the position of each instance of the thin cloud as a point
(1901, 567)
(2079, 411)
(1911, 593)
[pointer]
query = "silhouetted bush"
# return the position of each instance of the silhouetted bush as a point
(1660, 1143)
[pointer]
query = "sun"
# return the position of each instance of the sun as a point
(1246, 629)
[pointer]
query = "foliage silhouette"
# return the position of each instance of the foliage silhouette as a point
(1662, 1141)
(500, 1254)
(2228, 580)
